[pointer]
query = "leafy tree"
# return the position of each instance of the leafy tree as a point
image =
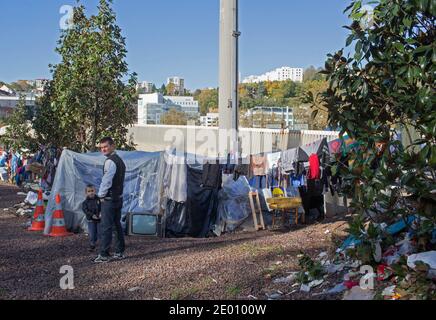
(174, 117)
(312, 73)
(18, 133)
(93, 95)
(171, 89)
(387, 88)
(163, 89)
(313, 91)
(207, 99)
(46, 122)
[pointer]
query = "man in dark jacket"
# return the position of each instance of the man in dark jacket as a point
(111, 195)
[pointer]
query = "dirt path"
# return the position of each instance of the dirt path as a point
(231, 267)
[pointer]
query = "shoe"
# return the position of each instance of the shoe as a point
(101, 259)
(91, 249)
(119, 256)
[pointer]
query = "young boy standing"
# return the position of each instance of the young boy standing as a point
(92, 209)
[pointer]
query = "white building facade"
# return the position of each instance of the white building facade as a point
(271, 117)
(210, 120)
(151, 107)
(179, 84)
(147, 86)
(279, 74)
(9, 103)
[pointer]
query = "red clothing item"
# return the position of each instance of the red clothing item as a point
(314, 169)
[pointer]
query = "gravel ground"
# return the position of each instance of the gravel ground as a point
(232, 267)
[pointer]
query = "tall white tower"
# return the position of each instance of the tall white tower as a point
(229, 70)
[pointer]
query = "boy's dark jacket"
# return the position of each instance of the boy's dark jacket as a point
(92, 207)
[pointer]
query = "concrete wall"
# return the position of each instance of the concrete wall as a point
(253, 141)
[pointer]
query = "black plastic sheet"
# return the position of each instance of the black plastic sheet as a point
(195, 217)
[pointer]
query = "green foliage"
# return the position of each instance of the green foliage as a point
(310, 270)
(92, 94)
(18, 133)
(175, 118)
(207, 99)
(387, 87)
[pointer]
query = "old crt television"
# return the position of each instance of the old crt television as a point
(144, 224)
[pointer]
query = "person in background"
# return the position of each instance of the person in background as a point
(92, 209)
(111, 195)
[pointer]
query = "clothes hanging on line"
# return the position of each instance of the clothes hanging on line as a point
(273, 159)
(314, 167)
(288, 158)
(259, 165)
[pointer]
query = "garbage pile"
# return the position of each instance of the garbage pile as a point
(399, 266)
(27, 207)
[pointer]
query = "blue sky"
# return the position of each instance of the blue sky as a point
(180, 37)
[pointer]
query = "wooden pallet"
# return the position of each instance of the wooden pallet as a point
(256, 209)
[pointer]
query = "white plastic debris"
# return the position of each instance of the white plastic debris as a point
(378, 252)
(406, 247)
(327, 232)
(305, 288)
(337, 289)
(291, 278)
(134, 289)
(274, 296)
(31, 198)
(322, 255)
(334, 268)
(316, 283)
(389, 291)
(21, 194)
(428, 258)
(359, 294)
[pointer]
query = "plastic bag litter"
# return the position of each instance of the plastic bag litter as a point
(32, 198)
(337, 289)
(291, 278)
(359, 294)
(428, 258)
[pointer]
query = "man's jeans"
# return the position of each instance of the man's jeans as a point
(94, 232)
(111, 221)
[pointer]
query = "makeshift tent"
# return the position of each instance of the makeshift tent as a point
(142, 187)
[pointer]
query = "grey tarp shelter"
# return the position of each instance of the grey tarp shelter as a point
(142, 187)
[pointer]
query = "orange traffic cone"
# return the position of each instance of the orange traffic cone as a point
(38, 223)
(58, 228)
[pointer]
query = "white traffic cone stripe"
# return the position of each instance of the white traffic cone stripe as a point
(58, 223)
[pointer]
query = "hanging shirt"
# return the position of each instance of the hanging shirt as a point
(335, 146)
(273, 159)
(314, 168)
(259, 165)
(288, 158)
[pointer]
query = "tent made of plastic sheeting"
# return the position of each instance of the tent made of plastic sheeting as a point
(233, 205)
(142, 186)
